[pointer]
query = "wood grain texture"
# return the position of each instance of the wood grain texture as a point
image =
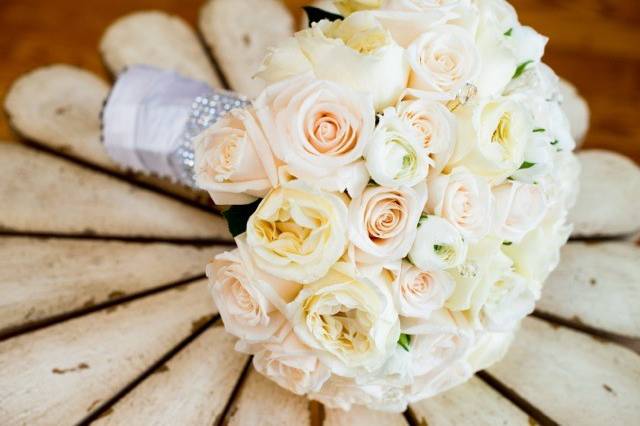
(158, 39)
(239, 32)
(362, 416)
(191, 389)
(572, 377)
(474, 404)
(59, 374)
(44, 278)
(44, 194)
(596, 285)
(262, 402)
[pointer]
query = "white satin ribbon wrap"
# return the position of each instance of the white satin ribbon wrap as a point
(152, 115)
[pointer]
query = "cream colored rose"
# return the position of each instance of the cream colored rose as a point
(319, 129)
(341, 392)
(492, 137)
(435, 124)
(382, 221)
(347, 7)
(465, 200)
(245, 310)
(350, 320)
(438, 245)
(361, 53)
(510, 299)
(233, 160)
(396, 155)
(298, 233)
(417, 293)
(519, 208)
(489, 349)
(442, 61)
(292, 365)
(440, 380)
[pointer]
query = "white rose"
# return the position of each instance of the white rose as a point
(361, 52)
(435, 124)
(437, 381)
(438, 245)
(382, 221)
(341, 392)
(319, 129)
(298, 233)
(510, 299)
(519, 208)
(347, 7)
(417, 293)
(349, 320)
(233, 161)
(396, 155)
(465, 200)
(489, 349)
(292, 365)
(492, 137)
(442, 61)
(245, 310)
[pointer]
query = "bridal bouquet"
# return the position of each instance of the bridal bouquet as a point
(398, 196)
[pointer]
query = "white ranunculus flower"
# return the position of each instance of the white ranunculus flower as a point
(236, 288)
(436, 125)
(417, 293)
(361, 53)
(438, 245)
(510, 299)
(350, 320)
(319, 129)
(382, 221)
(298, 233)
(442, 61)
(520, 207)
(492, 137)
(465, 200)
(396, 155)
(292, 365)
(233, 160)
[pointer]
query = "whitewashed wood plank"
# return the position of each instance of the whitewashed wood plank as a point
(60, 374)
(44, 194)
(362, 416)
(262, 402)
(239, 32)
(190, 389)
(67, 102)
(158, 39)
(572, 377)
(607, 204)
(474, 403)
(597, 285)
(43, 278)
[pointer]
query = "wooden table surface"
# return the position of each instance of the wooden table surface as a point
(594, 43)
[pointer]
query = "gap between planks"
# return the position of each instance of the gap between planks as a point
(56, 319)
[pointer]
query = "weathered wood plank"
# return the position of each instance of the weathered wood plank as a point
(158, 39)
(572, 377)
(597, 285)
(59, 374)
(67, 102)
(191, 389)
(239, 32)
(262, 402)
(44, 194)
(473, 403)
(607, 204)
(362, 416)
(43, 278)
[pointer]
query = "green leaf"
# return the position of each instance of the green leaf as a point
(538, 130)
(508, 32)
(526, 165)
(520, 69)
(316, 14)
(238, 216)
(405, 341)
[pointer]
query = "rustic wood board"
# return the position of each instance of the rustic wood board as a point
(44, 278)
(60, 374)
(361, 416)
